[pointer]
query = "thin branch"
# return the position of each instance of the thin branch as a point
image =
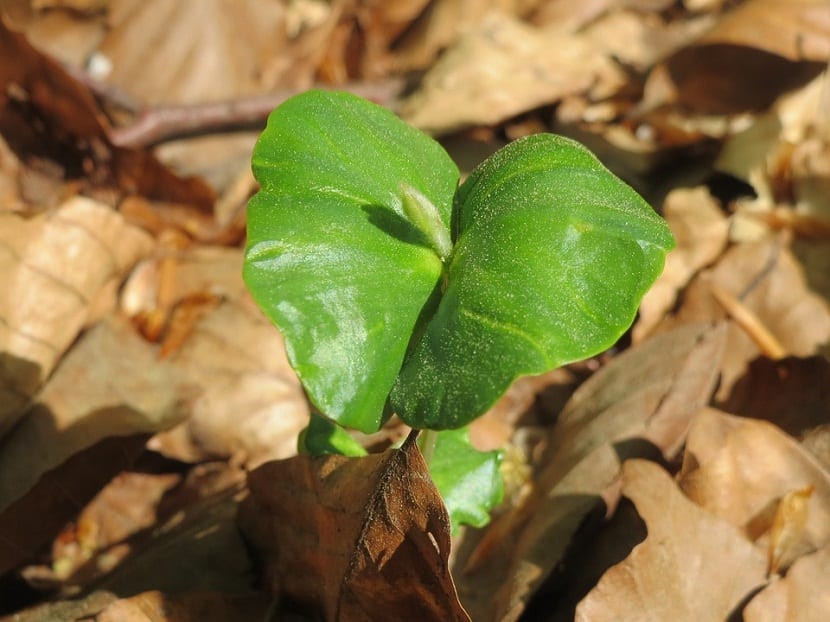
(164, 123)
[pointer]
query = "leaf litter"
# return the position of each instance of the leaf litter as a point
(138, 378)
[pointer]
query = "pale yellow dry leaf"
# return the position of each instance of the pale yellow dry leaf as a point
(700, 231)
(802, 596)
(54, 266)
(692, 566)
(739, 469)
(503, 67)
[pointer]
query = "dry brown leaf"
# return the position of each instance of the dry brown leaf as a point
(769, 282)
(54, 266)
(29, 523)
(642, 398)
(354, 538)
(700, 230)
(739, 469)
(186, 51)
(189, 607)
(756, 52)
(110, 384)
(70, 134)
(797, 29)
(124, 507)
(691, 567)
(504, 67)
(793, 394)
(252, 406)
(802, 596)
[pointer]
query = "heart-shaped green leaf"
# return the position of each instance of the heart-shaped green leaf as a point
(549, 257)
(332, 259)
(552, 256)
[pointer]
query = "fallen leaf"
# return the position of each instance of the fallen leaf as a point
(738, 469)
(354, 538)
(802, 596)
(54, 265)
(156, 606)
(70, 131)
(251, 405)
(700, 230)
(792, 393)
(757, 51)
(30, 522)
(110, 384)
(769, 282)
(501, 68)
(692, 566)
(642, 398)
(797, 30)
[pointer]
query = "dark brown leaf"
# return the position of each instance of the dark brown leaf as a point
(354, 538)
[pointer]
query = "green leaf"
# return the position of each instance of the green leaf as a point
(552, 256)
(322, 437)
(332, 258)
(469, 480)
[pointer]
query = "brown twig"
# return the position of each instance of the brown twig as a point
(163, 123)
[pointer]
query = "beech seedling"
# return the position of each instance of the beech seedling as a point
(398, 290)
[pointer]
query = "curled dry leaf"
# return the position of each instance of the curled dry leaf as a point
(802, 596)
(741, 469)
(642, 398)
(700, 230)
(354, 538)
(692, 566)
(501, 68)
(53, 267)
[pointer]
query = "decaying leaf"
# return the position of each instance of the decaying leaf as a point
(354, 538)
(644, 397)
(741, 469)
(692, 566)
(54, 266)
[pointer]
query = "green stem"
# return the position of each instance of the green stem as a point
(423, 214)
(426, 442)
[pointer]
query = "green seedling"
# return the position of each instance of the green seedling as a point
(398, 290)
